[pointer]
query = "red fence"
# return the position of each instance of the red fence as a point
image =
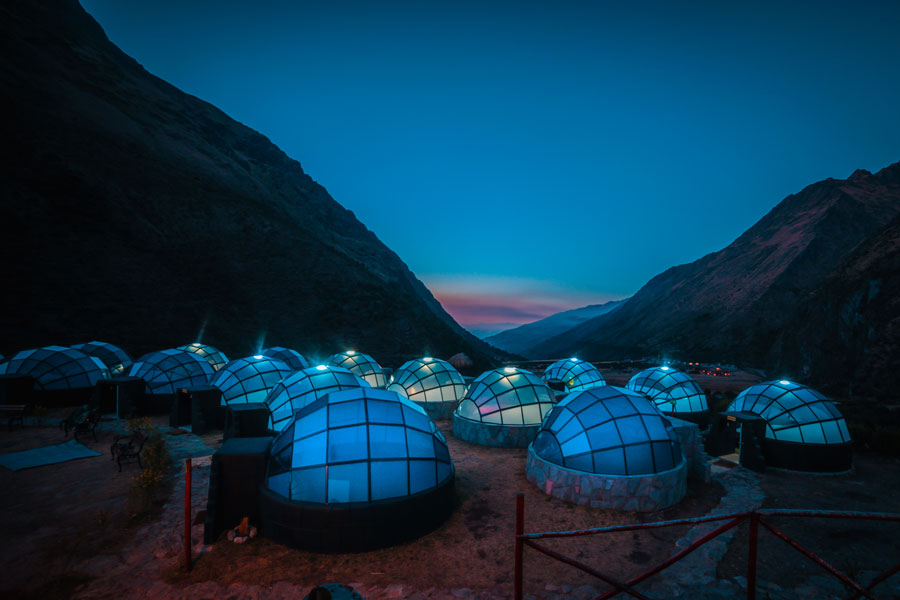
(753, 517)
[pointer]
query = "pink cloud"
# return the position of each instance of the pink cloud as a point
(470, 309)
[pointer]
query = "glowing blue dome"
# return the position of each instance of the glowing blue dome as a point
(56, 368)
(358, 445)
(214, 356)
(361, 365)
(429, 380)
(114, 358)
(250, 379)
(302, 388)
(672, 390)
(166, 371)
(507, 396)
(793, 413)
(291, 358)
(611, 431)
(572, 375)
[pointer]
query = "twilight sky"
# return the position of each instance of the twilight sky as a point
(529, 157)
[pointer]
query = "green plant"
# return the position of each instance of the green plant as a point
(156, 462)
(138, 424)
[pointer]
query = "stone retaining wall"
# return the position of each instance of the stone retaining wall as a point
(439, 411)
(488, 434)
(692, 448)
(641, 493)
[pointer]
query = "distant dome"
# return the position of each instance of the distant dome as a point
(250, 379)
(460, 360)
(429, 380)
(793, 413)
(114, 358)
(672, 390)
(213, 355)
(507, 396)
(361, 365)
(572, 375)
(302, 388)
(166, 371)
(56, 368)
(291, 358)
(610, 431)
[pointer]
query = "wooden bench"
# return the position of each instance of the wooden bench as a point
(12, 413)
(88, 424)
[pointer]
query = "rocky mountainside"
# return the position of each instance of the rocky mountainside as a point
(135, 213)
(845, 335)
(740, 304)
(522, 339)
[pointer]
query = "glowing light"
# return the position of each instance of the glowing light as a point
(573, 359)
(665, 368)
(257, 356)
(510, 369)
(322, 367)
(350, 352)
(196, 344)
(427, 359)
(784, 382)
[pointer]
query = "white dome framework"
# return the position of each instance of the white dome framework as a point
(572, 375)
(166, 371)
(249, 380)
(432, 383)
(300, 389)
(674, 391)
(215, 357)
(361, 365)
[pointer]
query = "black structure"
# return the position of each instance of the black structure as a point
(742, 430)
(236, 475)
(798, 456)
(355, 527)
(246, 420)
(200, 407)
(16, 389)
(120, 395)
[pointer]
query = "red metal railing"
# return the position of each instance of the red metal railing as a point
(754, 517)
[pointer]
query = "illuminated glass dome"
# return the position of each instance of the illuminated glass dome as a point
(114, 358)
(166, 371)
(305, 387)
(507, 396)
(214, 356)
(804, 429)
(291, 358)
(250, 379)
(672, 390)
(56, 368)
(611, 431)
(361, 365)
(572, 375)
(357, 469)
(433, 383)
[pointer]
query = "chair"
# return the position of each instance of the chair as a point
(87, 424)
(128, 448)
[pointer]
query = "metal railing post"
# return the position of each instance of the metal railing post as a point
(751, 559)
(520, 529)
(187, 514)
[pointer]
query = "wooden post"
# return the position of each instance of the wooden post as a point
(751, 561)
(187, 514)
(520, 529)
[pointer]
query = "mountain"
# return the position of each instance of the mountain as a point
(135, 213)
(740, 304)
(524, 338)
(483, 330)
(845, 335)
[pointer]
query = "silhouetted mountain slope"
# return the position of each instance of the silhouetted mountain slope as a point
(735, 304)
(846, 333)
(522, 339)
(135, 213)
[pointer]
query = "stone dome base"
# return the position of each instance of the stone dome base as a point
(641, 493)
(439, 411)
(496, 435)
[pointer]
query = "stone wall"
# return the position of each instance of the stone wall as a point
(439, 411)
(487, 434)
(641, 493)
(692, 447)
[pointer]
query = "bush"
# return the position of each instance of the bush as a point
(157, 463)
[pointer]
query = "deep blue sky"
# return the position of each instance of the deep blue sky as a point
(528, 157)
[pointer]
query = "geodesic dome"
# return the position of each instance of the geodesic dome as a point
(215, 357)
(304, 387)
(507, 396)
(672, 390)
(572, 375)
(610, 431)
(793, 413)
(358, 445)
(56, 368)
(114, 358)
(361, 365)
(250, 379)
(429, 380)
(165, 371)
(291, 358)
